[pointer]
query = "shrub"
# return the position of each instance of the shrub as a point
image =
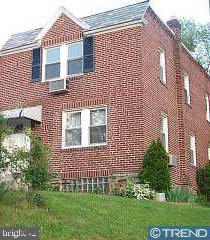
(180, 195)
(134, 190)
(143, 191)
(35, 199)
(203, 181)
(3, 189)
(156, 168)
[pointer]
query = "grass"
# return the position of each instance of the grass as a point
(94, 217)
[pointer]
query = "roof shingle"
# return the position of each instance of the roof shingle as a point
(100, 20)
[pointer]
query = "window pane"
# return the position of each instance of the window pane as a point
(75, 50)
(75, 66)
(98, 117)
(53, 55)
(98, 134)
(73, 137)
(52, 71)
(73, 120)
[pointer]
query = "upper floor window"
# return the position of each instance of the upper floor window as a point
(192, 150)
(75, 58)
(207, 107)
(52, 67)
(67, 60)
(187, 89)
(85, 127)
(209, 152)
(164, 131)
(162, 65)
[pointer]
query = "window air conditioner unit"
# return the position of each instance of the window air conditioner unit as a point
(173, 160)
(58, 86)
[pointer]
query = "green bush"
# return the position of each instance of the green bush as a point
(180, 195)
(3, 189)
(156, 168)
(35, 199)
(203, 181)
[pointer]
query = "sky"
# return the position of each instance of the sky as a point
(22, 15)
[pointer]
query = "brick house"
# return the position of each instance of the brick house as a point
(99, 89)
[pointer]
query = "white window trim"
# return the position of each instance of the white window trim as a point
(187, 88)
(207, 107)
(63, 61)
(193, 148)
(209, 152)
(162, 64)
(164, 130)
(85, 126)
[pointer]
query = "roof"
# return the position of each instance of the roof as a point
(100, 20)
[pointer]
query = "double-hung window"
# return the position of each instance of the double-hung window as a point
(192, 150)
(52, 65)
(164, 131)
(186, 89)
(162, 65)
(75, 58)
(98, 126)
(207, 107)
(73, 130)
(85, 127)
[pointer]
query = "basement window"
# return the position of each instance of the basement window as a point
(100, 184)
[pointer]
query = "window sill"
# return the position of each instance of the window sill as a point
(163, 84)
(102, 145)
(189, 105)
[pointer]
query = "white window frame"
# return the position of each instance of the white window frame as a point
(63, 61)
(85, 126)
(164, 130)
(76, 58)
(187, 88)
(162, 63)
(209, 152)
(207, 107)
(193, 149)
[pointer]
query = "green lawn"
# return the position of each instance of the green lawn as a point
(90, 216)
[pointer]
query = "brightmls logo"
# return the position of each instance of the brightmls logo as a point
(178, 232)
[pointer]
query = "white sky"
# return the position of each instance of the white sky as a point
(22, 15)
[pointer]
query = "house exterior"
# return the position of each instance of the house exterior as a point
(100, 89)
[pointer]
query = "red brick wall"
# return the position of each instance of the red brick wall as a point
(126, 80)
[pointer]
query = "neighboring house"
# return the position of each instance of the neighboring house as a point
(100, 89)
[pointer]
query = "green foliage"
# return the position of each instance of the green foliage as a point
(180, 195)
(196, 38)
(203, 181)
(126, 190)
(35, 199)
(3, 189)
(155, 168)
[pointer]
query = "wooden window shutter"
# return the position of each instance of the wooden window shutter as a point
(88, 54)
(36, 64)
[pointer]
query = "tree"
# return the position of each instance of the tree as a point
(156, 168)
(203, 180)
(196, 38)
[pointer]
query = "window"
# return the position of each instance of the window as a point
(87, 184)
(75, 58)
(73, 129)
(207, 107)
(164, 131)
(162, 66)
(192, 150)
(186, 89)
(52, 67)
(98, 126)
(84, 128)
(209, 152)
